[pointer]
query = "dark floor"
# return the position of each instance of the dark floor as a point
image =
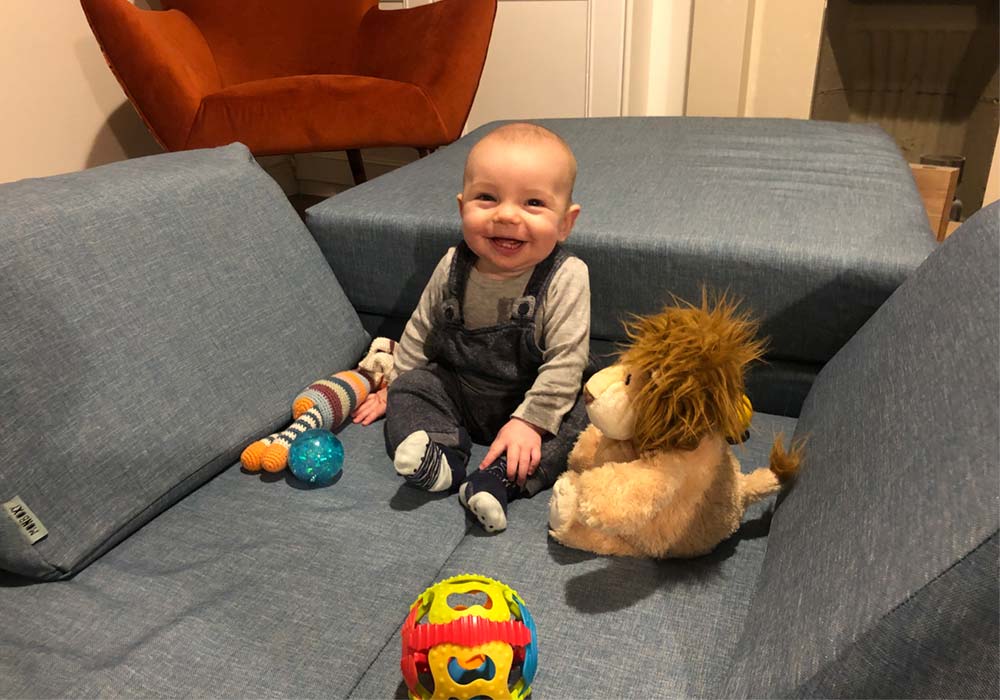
(301, 202)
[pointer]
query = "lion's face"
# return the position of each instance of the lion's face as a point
(609, 396)
(679, 379)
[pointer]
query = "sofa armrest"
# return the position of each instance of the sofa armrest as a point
(882, 559)
(162, 62)
(440, 47)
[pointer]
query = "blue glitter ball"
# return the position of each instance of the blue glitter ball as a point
(316, 457)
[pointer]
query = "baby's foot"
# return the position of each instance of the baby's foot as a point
(426, 464)
(485, 495)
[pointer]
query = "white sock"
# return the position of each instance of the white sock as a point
(422, 463)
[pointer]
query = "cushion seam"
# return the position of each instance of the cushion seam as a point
(433, 578)
(126, 527)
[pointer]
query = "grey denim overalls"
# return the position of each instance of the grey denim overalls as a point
(475, 379)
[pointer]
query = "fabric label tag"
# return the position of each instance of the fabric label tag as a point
(26, 521)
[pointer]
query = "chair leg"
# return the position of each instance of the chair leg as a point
(357, 165)
(422, 152)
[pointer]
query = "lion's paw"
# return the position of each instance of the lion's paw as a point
(563, 504)
(581, 457)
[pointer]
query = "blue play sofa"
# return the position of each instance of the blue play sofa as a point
(158, 314)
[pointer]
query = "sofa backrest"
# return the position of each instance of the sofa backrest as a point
(156, 315)
(812, 224)
(881, 571)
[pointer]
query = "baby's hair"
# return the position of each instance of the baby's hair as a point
(527, 132)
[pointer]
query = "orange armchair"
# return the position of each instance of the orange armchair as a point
(298, 75)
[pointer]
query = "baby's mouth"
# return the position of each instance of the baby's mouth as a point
(506, 244)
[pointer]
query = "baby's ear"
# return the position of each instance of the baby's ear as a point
(461, 203)
(568, 220)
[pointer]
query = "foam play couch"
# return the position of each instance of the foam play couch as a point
(814, 224)
(158, 314)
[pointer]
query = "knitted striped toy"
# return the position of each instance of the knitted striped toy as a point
(326, 403)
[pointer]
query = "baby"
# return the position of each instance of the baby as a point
(496, 349)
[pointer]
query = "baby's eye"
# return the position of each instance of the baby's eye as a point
(485, 197)
(628, 378)
(535, 203)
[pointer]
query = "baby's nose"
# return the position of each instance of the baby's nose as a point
(506, 213)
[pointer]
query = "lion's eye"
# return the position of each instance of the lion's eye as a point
(628, 378)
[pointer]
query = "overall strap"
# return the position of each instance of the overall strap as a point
(524, 307)
(462, 263)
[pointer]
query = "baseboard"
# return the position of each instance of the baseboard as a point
(321, 188)
(325, 174)
(328, 173)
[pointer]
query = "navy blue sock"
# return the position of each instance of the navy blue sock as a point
(486, 493)
(493, 480)
(427, 473)
(458, 461)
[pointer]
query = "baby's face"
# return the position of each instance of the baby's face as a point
(515, 204)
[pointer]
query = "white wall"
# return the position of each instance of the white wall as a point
(781, 65)
(657, 47)
(547, 59)
(62, 110)
(754, 58)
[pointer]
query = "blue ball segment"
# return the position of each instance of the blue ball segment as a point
(316, 457)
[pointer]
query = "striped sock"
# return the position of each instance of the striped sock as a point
(428, 465)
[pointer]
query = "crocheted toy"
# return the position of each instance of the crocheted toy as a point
(654, 475)
(325, 403)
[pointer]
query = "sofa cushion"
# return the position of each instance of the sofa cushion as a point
(156, 315)
(813, 223)
(616, 627)
(881, 571)
(250, 587)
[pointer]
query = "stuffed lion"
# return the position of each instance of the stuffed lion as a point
(654, 474)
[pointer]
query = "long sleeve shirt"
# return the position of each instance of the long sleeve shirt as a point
(562, 331)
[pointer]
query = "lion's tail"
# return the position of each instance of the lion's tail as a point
(761, 483)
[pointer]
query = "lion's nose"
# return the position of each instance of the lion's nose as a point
(588, 398)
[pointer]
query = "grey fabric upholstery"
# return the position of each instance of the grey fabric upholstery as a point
(793, 216)
(941, 643)
(775, 386)
(255, 587)
(249, 587)
(881, 563)
(158, 314)
(155, 316)
(616, 627)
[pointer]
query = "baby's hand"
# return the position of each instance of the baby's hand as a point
(372, 408)
(523, 443)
